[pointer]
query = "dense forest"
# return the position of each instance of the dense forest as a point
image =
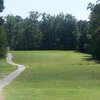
(46, 32)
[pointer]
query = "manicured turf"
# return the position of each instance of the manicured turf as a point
(5, 68)
(55, 75)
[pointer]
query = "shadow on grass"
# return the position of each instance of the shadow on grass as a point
(90, 58)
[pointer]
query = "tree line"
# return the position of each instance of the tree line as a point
(59, 32)
(46, 32)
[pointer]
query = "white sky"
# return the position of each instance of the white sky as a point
(21, 7)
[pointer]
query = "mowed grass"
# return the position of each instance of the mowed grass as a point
(55, 75)
(5, 68)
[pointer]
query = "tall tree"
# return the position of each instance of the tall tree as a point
(10, 28)
(59, 32)
(83, 40)
(3, 42)
(23, 34)
(1, 5)
(32, 33)
(95, 31)
(66, 31)
(46, 29)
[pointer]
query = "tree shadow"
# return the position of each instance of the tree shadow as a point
(90, 58)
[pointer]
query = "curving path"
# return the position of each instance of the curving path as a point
(8, 79)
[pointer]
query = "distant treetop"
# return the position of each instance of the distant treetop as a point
(1, 5)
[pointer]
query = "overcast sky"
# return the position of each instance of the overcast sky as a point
(21, 7)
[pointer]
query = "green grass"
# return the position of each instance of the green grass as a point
(5, 68)
(55, 75)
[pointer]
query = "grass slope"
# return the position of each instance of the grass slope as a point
(55, 75)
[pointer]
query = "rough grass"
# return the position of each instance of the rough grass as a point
(55, 75)
(5, 68)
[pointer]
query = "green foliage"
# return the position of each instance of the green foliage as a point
(1, 5)
(23, 34)
(3, 39)
(91, 6)
(83, 40)
(33, 33)
(1, 21)
(59, 32)
(13, 28)
(3, 43)
(95, 31)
